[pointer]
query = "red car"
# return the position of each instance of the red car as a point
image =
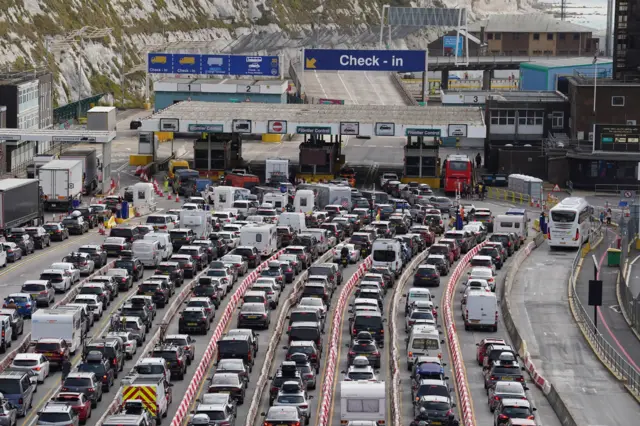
(453, 245)
(79, 403)
(427, 234)
(444, 250)
(482, 347)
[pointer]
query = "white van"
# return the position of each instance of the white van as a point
(160, 222)
(263, 237)
(363, 400)
(481, 310)
(504, 223)
(304, 201)
(148, 251)
(388, 252)
(278, 200)
(50, 323)
(3, 256)
(165, 246)
(424, 340)
(295, 220)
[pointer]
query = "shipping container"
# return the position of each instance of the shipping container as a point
(20, 203)
(102, 118)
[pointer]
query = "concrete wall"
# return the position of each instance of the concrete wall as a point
(533, 78)
(165, 99)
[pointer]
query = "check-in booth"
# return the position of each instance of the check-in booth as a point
(421, 161)
(214, 153)
(319, 160)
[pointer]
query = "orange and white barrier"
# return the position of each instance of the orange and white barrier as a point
(457, 361)
(334, 341)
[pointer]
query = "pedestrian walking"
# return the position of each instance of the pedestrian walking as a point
(66, 368)
(478, 160)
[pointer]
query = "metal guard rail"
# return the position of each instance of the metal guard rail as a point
(607, 354)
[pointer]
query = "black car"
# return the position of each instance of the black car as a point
(175, 357)
(41, 237)
(230, 383)
(17, 323)
(56, 231)
(237, 346)
(85, 383)
(438, 408)
(194, 319)
(130, 233)
(96, 363)
(208, 287)
(198, 254)
(111, 350)
(173, 270)
(158, 291)
(24, 241)
(495, 256)
(506, 241)
(98, 255)
(426, 275)
(209, 247)
(219, 244)
(251, 253)
(181, 237)
(140, 311)
(75, 224)
(89, 215)
(131, 264)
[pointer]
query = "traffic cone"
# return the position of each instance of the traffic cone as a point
(101, 230)
(138, 170)
(169, 196)
(177, 198)
(160, 194)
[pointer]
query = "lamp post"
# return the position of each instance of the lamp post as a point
(595, 83)
(384, 7)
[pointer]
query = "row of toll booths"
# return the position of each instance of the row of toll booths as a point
(321, 158)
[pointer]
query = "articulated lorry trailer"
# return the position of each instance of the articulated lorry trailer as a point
(90, 167)
(20, 203)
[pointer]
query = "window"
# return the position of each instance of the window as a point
(498, 36)
(489, 36)
(503, 117)
(584, 215)
(536, 36)
(617, 101)
(548, 53)
(537, 52)
(303, 202)
(549, 36)
(557, 120)
(516, 36)
(528, 117)
(562, 36)
(258, 238)
(576, 36)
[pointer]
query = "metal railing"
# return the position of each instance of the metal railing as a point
(607, 354)
(603, 188)
(629, 304)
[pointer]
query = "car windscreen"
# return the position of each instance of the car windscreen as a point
(92, 367)
(90, 290)
(213, 415)
(121, 232)
(233, 347)
(363, 348)
(25, 362)
(384, 256)
(47, 347)
(178, 234)
(54, 278)
(157, 220)
(165, 268)
(149, 369)
(426, 272)
(77, 382)
(320, 270)
(361, 375)
(481, 262)
(304, 333)
(563, 216)
(313, 290)
(426, 343)
(46, 417)
(290, 399)
(433, 390)
(168, 355)
(506, 371)
(436, 406)
(421, 315)
(107, 351)
(28, 288)
(367, 321)
(303, 316)
(516, 412)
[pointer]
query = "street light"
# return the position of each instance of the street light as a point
(384, 7)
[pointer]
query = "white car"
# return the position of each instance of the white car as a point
(313, 302)
(419, 316)
(483, 261)
(387, 176)
(69, 270)
(95, 305)
(354, 253)
(232, 227)
(34, 362)
(60, 281)
(230, 239)
(130, 342)
(483, 273)
(240, 263)
(268, 281)
(191, 206)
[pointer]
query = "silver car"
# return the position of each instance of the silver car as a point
(130, 342)
(291, 395)
(40, 290)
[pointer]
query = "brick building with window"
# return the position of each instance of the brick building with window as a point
(533, 35)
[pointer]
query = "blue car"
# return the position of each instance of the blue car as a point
(428, 371)
(25, 304)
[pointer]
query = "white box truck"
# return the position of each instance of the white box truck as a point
(55, 323)
(276, 170)
(363, 400)
(102, 118)
(61, 182)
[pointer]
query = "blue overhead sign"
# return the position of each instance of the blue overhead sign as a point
(254, 65)
(215, 64)
(173, 63)
(365, 60)
(160, 63)
(449, 46)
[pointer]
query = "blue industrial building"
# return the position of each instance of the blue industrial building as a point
(551, 74)
(172, 90)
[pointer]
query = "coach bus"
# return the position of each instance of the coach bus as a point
(456, 171)
(569, 223)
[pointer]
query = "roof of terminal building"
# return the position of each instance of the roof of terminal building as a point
(529, 96)
(229, 81)
(565, 62)
(312, 113)
(526, 23)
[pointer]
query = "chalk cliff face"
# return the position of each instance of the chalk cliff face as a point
(92, 63)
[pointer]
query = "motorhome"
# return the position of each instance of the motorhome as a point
(278, 200)
(263, 237)
(363, 400)
(517, 224)
(295, 220)
(52, 323)
(224, 196)
(304, 201)
(196, 220)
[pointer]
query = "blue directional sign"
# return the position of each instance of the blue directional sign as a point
(449, 46)
(215, 64)
(364, 60)
(254, 65)
(160, 63)
(187, 64)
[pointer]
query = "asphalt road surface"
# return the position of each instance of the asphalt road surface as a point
(353, 87)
